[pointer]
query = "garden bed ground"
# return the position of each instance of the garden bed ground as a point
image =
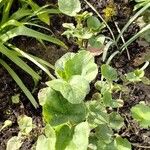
(140, 138)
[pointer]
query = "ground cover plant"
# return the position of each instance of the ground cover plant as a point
(93, 97)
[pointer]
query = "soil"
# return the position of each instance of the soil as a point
(140, 138)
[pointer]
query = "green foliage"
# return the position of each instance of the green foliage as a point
(87, 25)
(17, 24)
(15, 99)
(47, 141)
(122, 144)
(57, 110)
(116, 121)
(74, 90)
(25, 127)
(108, 72)
(93, 23)
(135, 76)
(141, 113)
(140, 3)
(79, 124)
(14, 143)
(69, 7)
(81, 63)
(25, 124)
(97, 41)
(80, 137)
(64, 136)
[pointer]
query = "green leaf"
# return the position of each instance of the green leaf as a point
(14, 143)
(104, 133)
(102, 86)
(103, 146)
(60, 63)
(21, 13)
(18, 61)
(135, 76)
(44, 143)
(25, 124)
(93, 23)
(74, 90)
(64, 136)
(96, 113)
(115, 121)
(117, 103)
(80, 137)
(57, 110)
(107, 99)
(145, 80)
(47, 141)
(22, 30)
(108, 72)
(122, 144)
(16, 98)
(69, 7)
(44, 17)
(81, 63)
(97, 41)
(146, 36)
(42, 95)
(141, 113)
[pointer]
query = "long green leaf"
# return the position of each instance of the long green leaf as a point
(132, 19)
(20, 13)
(20, 83)
(41, 61)
(11, 55)
(6, 10)
(32, 59)
(10, 23)
(147, 27)
(44, 17)
(22, 30)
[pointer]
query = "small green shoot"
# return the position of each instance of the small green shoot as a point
(15, 99)
(7, 123)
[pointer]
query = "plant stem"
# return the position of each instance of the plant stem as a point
(116, 24)
(101, 19)
(132, 19)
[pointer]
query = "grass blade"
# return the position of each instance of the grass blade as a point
(6, 10)
(33, 60)
(20, 83)
(132, 19)
(147, 27)
(11, 55)
(22, 30)
(112, 56)
(106, 48)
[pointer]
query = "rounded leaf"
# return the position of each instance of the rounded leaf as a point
(72, 64)
(57, 110)
(69, 7)
(116, 121)
(108, 72)
(74, 90)
(93, 23)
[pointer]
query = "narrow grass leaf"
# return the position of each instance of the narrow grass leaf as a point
(20, 83)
